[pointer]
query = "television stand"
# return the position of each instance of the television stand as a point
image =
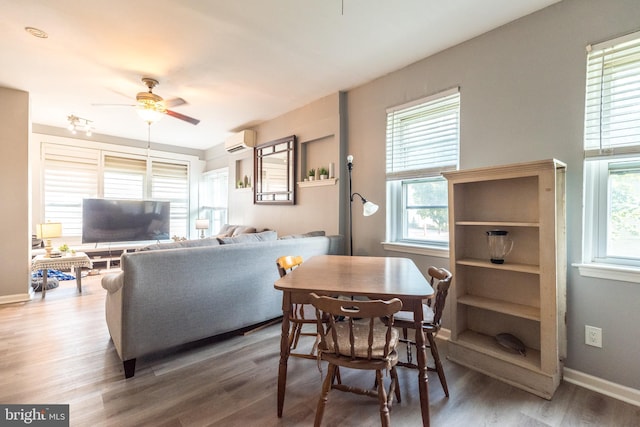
(107, 257)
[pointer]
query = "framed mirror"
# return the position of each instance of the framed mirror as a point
(275, 171)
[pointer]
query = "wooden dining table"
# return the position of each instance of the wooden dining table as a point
(373, 277)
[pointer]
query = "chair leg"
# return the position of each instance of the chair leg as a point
(296, 329)
(382, 398)
(394, 388)
(324, 394)
(409, 343)
(438, 363)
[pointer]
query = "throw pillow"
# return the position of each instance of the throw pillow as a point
(241, 229)
(209, 241)
(156, 246)
(251, 237)
(228, 230)
(301, 236)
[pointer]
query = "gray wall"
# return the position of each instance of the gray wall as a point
(522, 99)
(317, 127)
(15, 191)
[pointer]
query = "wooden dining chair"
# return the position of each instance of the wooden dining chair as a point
(298, 317)
(356, 338)
(432, 315)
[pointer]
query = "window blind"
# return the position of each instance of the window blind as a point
(124, 178)
(170, 181)
(423, 136)
(612, 104)
(70, 175)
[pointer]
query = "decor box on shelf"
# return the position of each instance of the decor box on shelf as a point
(521, 299)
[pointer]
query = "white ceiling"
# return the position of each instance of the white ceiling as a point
(237, 63)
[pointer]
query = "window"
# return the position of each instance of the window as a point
(170, 181)
(124, 178)
(422, 141)
(612, 153)
(72, 174)
(214, 198)
(69, 177)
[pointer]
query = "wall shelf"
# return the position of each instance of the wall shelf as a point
(318, 183)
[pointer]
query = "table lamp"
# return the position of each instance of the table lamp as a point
(48, 231)
(202, 224)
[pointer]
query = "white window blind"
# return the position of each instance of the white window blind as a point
(612, 114)
(70, 175)
(124, 178)
(170, 181)
(423, 136)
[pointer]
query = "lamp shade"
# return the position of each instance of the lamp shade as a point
(149, 114)
(202, 224)
(49, 230)
(369, 208)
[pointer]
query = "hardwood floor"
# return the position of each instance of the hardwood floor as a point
(58, 351)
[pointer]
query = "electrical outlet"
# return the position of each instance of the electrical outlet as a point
(593, 336)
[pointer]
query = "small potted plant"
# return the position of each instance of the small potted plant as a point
(324, 173)
(312, 174)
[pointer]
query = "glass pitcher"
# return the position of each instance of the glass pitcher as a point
(500, 244)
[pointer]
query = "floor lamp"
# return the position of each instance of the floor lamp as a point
(368, 208)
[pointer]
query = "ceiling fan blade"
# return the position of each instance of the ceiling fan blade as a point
(183, 117)
(174, 102)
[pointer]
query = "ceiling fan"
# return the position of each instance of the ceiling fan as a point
(151, 107)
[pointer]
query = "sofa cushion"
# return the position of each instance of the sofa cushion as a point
(251, 237)
(300, 236)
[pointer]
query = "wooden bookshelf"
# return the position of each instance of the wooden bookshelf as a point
(525, 296)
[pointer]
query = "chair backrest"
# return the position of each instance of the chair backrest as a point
(287, 263)
(355, 330)
(443, 278)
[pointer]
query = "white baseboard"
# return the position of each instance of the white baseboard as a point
(10, 299)
(599, 385)
(617, 391)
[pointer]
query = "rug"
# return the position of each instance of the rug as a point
(54, 273)
(36, 283)
(53, 279)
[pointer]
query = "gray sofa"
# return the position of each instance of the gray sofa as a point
(172, 295)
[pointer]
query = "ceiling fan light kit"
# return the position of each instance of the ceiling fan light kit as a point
(152, 107)
(150, 113)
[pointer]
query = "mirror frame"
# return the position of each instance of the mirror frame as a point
(286, 145)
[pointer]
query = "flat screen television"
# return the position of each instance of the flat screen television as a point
(111, 220)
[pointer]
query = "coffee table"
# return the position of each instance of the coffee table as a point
(72, 261)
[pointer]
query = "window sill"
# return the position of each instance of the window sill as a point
(416, 249)
(609, 272)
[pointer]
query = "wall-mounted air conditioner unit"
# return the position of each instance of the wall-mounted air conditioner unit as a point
(240, 141)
